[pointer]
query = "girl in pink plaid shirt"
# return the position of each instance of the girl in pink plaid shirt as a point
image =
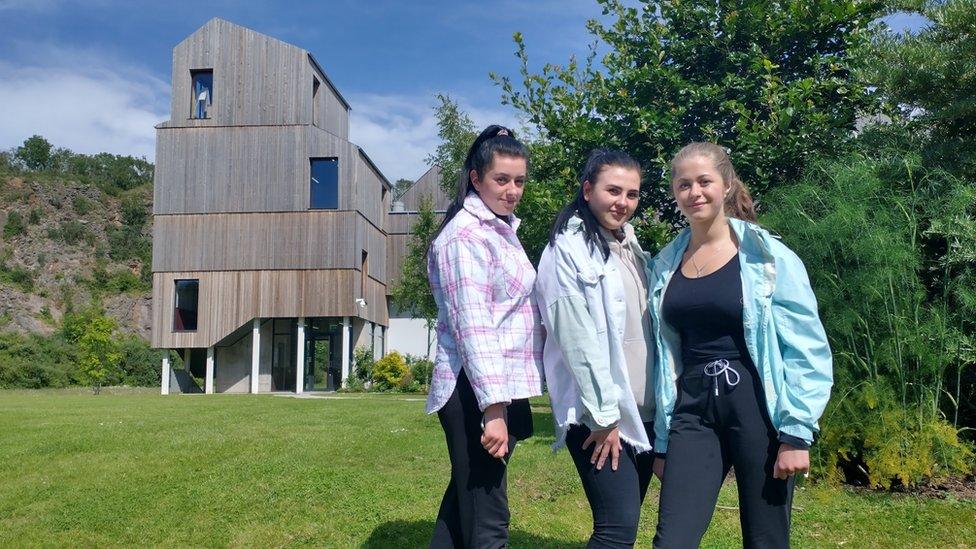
(489, 341)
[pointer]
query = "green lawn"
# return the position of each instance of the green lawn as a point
(133, 468)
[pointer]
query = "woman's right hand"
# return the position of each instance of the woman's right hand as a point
(607, 444)
(495, 436)
(658, 468)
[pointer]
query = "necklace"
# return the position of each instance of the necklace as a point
(699, 270)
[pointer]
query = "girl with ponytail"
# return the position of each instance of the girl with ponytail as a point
(489, 340)
(742, 356)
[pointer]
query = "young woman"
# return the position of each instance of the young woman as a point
(592, 292)
(489, 341)
(744, 359)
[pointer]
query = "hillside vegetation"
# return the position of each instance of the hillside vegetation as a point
(75, 245)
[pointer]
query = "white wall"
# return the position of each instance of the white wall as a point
(409, 336)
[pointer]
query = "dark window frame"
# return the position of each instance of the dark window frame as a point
(193, 94)
(179, 323)
(312, 181)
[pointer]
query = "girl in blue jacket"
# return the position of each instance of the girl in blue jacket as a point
(742, 356)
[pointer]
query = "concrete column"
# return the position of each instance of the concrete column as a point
(209, 382)
(186, 359)
(346, 337)
(300, 358)
(164, 386)
(255, 355)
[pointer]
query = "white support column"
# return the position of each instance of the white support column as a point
(300, 358)
(346, 336)
(255, 355)
(209, 382)
(164, 385)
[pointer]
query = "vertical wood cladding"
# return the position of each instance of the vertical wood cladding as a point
(230, 299)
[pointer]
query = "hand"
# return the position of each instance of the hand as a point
(495, 437)
(607, 444)
(658, 468)
(790, 461)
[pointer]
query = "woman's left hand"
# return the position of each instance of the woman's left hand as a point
(790, 461)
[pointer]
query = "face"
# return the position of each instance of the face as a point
(502, 185)
(698, 189)
(613, 197)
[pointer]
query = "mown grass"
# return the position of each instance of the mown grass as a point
(133, 468)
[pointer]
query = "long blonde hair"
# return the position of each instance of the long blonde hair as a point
(738, 202)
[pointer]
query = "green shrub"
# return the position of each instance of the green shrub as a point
(140, 364)
(32, 362)
(81, 205)
(34, 217)
(363, 363)
(71, 232)
(14, 226)
(421, 370)
(18, 276)
(390, 370)
(897, 308)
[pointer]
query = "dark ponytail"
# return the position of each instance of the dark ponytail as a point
(492, 140)
(597, 161)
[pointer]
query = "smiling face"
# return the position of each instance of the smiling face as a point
(613, 197)
(502, 184)
(698, 189)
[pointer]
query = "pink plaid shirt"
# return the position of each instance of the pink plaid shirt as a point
(487, 319)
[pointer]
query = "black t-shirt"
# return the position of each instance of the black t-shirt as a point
(707, 312)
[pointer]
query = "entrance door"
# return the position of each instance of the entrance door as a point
(283, 356)
(323, 368)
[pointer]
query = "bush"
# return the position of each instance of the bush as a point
(32, 362)
(140, 364)
(72, 232)
(14, 226)
(35, 216)
(421, 370)
(81, 205)
(363, 363)
(390, 370)
(897, 304)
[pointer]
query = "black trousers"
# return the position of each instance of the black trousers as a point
(615, 496)
(474, 509)
(709, 434)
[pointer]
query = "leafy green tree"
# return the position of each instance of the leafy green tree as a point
(99, 352)
(411, 292)
(772, 80)
(35, 153)
(931, 77)
(401, 187)
(457, 132)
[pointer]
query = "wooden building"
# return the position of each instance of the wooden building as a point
(270, 234)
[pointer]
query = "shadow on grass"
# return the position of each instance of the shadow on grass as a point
(404, 533)
(542, 425)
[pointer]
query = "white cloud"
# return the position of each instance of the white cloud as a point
(81, 101)
(399, 131)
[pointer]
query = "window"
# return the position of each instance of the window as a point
(324, 184)
(315, 101)
(185, 310)
(363, 274)
(202, 90)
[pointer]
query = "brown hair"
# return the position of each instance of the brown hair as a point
(738, 202)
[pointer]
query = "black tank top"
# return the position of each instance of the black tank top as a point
(707, 312)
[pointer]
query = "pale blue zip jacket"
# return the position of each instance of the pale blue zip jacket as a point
(783, 332)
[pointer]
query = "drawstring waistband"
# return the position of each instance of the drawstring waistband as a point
(721, 366)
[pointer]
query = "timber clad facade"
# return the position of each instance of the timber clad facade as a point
(287, 282)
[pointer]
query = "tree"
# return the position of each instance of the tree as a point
(774, 81)
(401, 187)
(35, 153)
(931, 78)
(99, 351)
(457, 132)
(412, 292)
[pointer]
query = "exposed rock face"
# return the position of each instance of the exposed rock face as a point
(62, 256)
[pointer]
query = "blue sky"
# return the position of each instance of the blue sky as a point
(94, 76)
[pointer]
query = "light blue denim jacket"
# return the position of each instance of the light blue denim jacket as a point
(783, 332)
